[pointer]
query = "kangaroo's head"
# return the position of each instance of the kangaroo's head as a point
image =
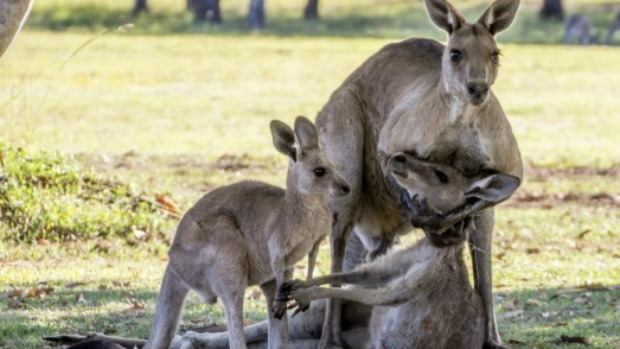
(310, 172)
(471, 57)
(445, 189)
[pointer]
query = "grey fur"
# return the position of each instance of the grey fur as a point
(250, 233)
(422, 295)
(412, 97)
(13, 14)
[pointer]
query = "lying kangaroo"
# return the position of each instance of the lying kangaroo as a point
(422, 295)
(13, 14)
(432, 101)
(579, 29)
(250, 233)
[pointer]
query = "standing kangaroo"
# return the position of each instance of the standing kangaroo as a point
(579, 29)
(13, 14)
(432, 101)
(422, 295)
(250, 233)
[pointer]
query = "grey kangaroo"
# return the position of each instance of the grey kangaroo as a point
(13, 14)
(578, 29)
(250, 233)
(422, 295)
(432, 101)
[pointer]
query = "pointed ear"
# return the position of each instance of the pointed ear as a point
(494, 188)
(444, 15)
(499, 15)
(305, 134)
(283, 138)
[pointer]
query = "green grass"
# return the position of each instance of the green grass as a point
(175, 108)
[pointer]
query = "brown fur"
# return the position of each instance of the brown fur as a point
(250, 233)
(410, 96)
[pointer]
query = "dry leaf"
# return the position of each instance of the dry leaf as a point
(136, 305)
(166, 204)
(31, 292)
(43, 242)
(513, 314)
(75, 284)
(15, 304)
(532, 250)
(594, 287)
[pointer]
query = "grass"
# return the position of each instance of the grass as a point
(166, 109)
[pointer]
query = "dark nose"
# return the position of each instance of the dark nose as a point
(477, 89)
(345, 188)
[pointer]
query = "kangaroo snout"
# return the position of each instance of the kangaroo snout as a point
(477, 91)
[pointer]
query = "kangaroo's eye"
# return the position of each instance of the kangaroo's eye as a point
(495, 58)
(319, 171)
(443, 178)
(455, 55)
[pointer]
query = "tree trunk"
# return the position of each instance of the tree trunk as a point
(140, 6)
(205, 10)
(256, 14)
(552, 9)
(312, 10)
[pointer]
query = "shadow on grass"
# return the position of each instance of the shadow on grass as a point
(527, 319)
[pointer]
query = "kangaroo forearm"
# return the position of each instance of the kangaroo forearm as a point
(381, 296)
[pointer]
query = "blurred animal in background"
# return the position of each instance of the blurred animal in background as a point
(578, 29)
(615, 25)
(13, 14)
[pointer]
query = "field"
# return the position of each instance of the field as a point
(167, 110)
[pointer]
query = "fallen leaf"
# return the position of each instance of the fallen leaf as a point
(31, 292)
(513, 314)
(75, 284)
(15, 304)
(516, 341)
(532, 250)
(136, 305)
(573, 339)
(595, 287)
(43, 242)
(583, 233)
(511, 305)
(167, 204)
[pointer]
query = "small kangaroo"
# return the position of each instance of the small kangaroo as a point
(422, 294)
(578, 28)
(250, 233)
